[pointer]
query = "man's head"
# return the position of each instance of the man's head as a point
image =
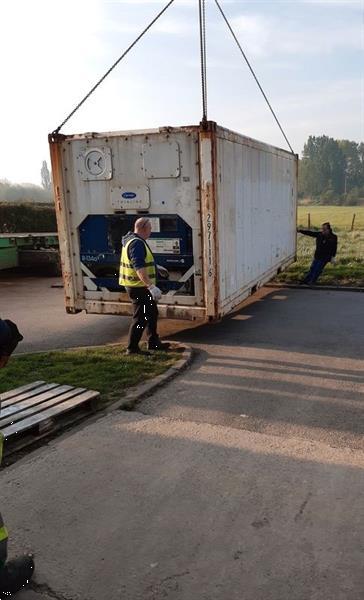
(143, 227)
(326, 228)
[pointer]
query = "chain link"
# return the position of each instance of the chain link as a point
(202, 12)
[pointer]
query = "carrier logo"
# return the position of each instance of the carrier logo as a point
(128, 195)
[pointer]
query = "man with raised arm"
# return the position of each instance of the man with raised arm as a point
(326, 247)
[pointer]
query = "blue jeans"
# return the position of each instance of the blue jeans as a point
(316, 269)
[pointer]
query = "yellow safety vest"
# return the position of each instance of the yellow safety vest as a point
(128, 276)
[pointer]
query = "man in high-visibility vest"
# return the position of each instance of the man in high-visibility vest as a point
(16, 573)
(138, 274)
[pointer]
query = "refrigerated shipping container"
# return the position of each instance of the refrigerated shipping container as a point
(222, 207)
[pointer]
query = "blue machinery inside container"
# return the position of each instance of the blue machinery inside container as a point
(100, 249)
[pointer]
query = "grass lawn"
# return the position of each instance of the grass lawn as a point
(349, 267)
(106, 369)
(340, 217)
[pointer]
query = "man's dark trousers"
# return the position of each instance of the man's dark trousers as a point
(145, 315)
(316, 269)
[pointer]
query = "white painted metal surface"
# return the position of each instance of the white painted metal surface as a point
(256, 208)
(238, 196)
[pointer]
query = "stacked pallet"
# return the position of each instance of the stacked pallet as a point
(36, 409)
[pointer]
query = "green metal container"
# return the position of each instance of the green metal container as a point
(13, 245)
(8, 253)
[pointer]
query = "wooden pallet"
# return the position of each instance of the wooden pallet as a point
(39, 408)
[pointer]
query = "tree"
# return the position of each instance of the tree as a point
(353, 175)
(46, 177)
(23, 192)
(361, 160)
(322, 167)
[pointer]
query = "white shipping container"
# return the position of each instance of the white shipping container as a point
(222, 206)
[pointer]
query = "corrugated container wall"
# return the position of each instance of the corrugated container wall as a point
(222, 206)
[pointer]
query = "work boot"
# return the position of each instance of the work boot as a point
(164, 346)
(137, 352)
(15, 575)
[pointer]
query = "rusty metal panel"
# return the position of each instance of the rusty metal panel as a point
(209, 222)
(187, 313)
(256, 200)
(63, 211)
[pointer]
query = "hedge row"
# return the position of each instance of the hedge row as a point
(27, 218)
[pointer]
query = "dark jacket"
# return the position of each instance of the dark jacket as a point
(136, 250)
(326, 245)
(9, 337)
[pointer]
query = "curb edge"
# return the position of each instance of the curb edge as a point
(328, 288)
(143, 390)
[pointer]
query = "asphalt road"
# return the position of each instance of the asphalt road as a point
(242, 479)
(137, 507)
(289, 364)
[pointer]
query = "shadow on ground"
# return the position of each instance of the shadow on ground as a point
(188, 510)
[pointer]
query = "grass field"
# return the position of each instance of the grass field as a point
(349, 268)
(106, 369)
(340, 217)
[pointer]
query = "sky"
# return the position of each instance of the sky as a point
(307, 54)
